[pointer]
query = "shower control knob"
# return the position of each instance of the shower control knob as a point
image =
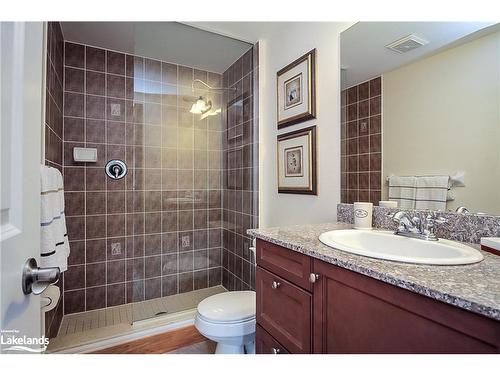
(116, 169)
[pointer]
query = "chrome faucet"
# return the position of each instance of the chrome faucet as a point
(420, 227)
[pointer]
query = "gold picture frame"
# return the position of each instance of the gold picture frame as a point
(296, 91)
(296, 162)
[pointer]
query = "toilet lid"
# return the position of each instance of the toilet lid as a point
(228, 306)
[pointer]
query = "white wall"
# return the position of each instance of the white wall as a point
(279, 48)
(441, 115)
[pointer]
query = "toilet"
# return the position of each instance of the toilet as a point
(229, 320)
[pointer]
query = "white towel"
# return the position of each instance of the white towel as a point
(432, 192)
(54, 245)
(403, 189)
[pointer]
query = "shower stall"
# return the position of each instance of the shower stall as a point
(158, 222)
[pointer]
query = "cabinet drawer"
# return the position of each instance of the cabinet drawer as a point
(288, 264)
(284, 311)
(267, 344)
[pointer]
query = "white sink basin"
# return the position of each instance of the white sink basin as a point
(388, 246)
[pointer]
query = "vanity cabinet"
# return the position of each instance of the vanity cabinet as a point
(340, 311)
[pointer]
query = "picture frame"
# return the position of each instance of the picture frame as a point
(296, 91)
(296, 162)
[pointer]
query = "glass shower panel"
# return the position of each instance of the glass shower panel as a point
(176, 192)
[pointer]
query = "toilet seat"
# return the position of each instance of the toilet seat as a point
(225, 322)
(228, 307)
(224, 329)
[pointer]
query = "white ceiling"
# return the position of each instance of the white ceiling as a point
(364, 56)
(247, 31)
(167, 41)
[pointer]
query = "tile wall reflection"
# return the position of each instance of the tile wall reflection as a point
(361, 150)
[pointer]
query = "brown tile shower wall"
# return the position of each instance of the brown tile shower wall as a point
(361, 142)
(240, 203)
(157, 232)
(54, 132)
(54, 96)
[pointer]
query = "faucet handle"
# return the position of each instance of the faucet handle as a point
(432, 220)
(435, 218)
(440, 220)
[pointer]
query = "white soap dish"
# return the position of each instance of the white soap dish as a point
(85, 154)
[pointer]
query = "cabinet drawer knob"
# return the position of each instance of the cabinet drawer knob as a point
(275, 285)
(276, 350)
(313, 277)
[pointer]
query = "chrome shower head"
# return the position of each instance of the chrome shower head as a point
(201, 106)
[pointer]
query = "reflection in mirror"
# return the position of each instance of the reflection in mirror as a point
(421, 115)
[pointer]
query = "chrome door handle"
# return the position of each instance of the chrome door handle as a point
(36, 279)
(275, 351)
(275, 285)
(313, 277)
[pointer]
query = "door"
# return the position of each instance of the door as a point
(21, 82)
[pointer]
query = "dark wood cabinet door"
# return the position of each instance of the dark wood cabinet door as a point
(267, 344)
(284, 311)
(286, 263)
(357, 314)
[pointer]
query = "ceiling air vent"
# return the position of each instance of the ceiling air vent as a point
(407, 44)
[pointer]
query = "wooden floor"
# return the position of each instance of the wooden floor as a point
(204, 347)
(158, 344)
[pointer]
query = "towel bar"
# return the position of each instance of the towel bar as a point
(457, 180)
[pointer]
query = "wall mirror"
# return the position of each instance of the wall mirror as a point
(421, 115)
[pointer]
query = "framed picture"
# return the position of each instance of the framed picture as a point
(296, 91)
(297, 162)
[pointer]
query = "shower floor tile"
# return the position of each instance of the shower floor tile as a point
(96, 325)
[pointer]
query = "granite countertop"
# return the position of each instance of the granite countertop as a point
(474, 287)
